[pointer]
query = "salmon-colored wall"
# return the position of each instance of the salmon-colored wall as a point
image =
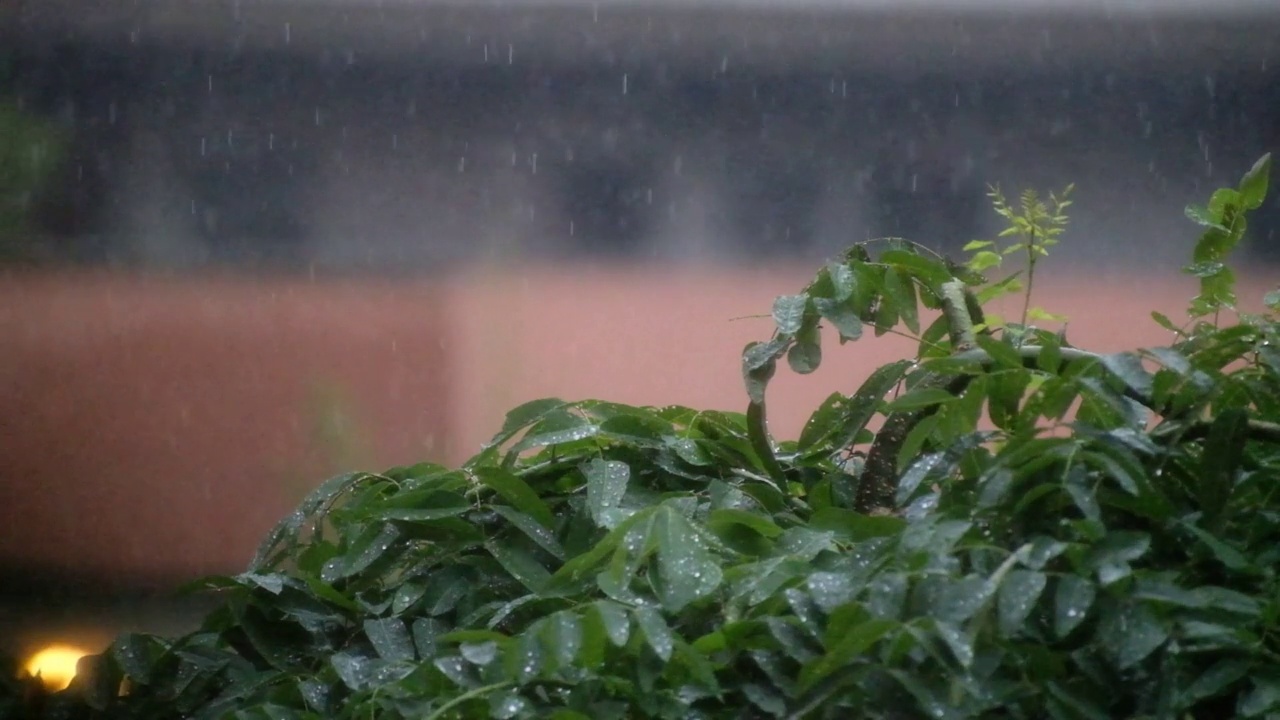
(157, 428)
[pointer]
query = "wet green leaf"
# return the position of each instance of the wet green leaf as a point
(1128, 367)
(532, 529)
(606, 486)
(1220, 462)
(850, 644)
(1263, 698)
(1131, 632)
(841, 315)
(1019, 592)
(390, 638)
(788, 313)
(1253, 186)
(901, 292)
(656, 631)
(686, 568)
(522, 566)
(1072, 601)
(806, 354)
(919, 399)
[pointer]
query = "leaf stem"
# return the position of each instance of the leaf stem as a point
(466, 697)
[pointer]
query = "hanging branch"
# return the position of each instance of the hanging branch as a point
(878, 482)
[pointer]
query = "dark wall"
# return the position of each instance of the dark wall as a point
(245, 143)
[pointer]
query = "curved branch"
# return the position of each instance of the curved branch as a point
(878, 483)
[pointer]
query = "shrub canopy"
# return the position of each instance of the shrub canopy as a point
(1004, 526)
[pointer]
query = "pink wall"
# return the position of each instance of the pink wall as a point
(160, 427)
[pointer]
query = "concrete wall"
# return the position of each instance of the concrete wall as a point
(409, 136)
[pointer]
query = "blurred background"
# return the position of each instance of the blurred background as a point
(246, 244)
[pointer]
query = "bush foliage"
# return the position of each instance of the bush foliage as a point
(1004, 526)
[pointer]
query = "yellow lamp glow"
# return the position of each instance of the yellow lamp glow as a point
(55, 665)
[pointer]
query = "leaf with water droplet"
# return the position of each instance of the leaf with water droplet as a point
(1253, 186)
(426, 634)
(368, 547)
(562, 635)
(522, 565)
(655, 630)
(517, 492)
(137, 655)
(271, 582)
(524, 415)
(525, 663)
(688, 450)
(533, 529)
(841, 315)
(960, 599)
(806, 354)
(919, 399)
(406, 595)
(455, 668)
(788, 313)
(614, 618)
(1071, 602)
(1131, 632)
(390, 638)
(686, 569)
(503, 706)
(845, 646)
(353, 670)
(901, 292)
(887, 595)
(1019, 592)
(842, 279)
(1204, 217)
(960, 644)
(581, 431)
(830, 590)
(1118, 547)
(606, 485)
(758, 581)
(479, 653)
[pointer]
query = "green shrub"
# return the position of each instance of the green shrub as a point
(1005, 526)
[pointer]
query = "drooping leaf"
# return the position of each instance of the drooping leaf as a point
(842, 317)
(806, 354)
(901, 292)
(860, 407)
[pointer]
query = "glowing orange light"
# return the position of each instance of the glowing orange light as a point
(55, 665)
